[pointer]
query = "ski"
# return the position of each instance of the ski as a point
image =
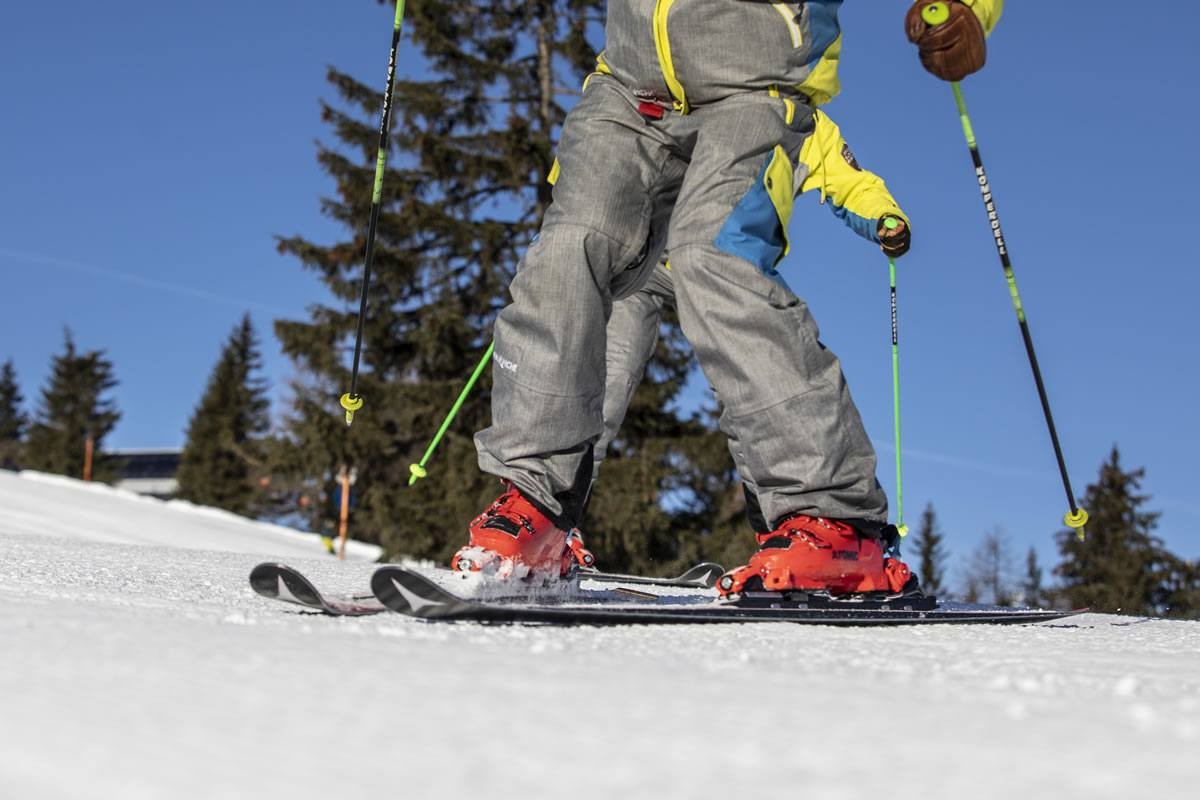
(413, 594)
(702, 576)
(281, 582)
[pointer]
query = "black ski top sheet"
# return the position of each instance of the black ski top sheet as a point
(415, 595)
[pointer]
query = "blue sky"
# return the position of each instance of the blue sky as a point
(150, 152)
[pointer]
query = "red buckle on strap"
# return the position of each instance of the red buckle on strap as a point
(651, 110)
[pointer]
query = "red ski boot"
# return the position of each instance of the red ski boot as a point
(815, 554)
(513, 538)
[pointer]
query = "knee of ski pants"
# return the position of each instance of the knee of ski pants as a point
(614, 261)
(551, 337)
(755, 339)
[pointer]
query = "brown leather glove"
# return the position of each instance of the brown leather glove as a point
(953, 49)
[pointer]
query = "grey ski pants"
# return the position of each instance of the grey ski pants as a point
(783, 394)
(632, 333)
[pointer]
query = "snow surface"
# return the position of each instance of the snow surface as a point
(37, 504)
(134, 669)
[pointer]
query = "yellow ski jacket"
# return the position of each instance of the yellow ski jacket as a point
(988, 11)
(856, 196)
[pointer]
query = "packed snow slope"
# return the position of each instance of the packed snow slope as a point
(37, 504)
(148, 670)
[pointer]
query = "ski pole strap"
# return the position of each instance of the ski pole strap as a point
(418, 471)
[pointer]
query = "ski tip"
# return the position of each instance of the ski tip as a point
(703, 574)
(413, 594)
(263, 579)
(281, 582)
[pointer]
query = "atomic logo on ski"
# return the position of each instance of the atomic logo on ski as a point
(415, 601)
(284, 593)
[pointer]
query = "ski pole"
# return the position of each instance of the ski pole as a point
(890, 223)
(351, 401)
(417, 471)
(1077, 517)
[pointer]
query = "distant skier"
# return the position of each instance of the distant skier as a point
(857, 196)
(705, 104)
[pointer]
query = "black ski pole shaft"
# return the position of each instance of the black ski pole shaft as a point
(1077, 517)
(350, 401)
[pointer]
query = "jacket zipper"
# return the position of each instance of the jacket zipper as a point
(663, 45)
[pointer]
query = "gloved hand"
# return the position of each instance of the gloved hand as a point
(951, 49)
(895, 240)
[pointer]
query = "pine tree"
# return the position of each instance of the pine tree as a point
(1121, 566)
(13, 421)
(972, 591)
(1181, 590)
(74, 405)
(1032, 592)
(224, 458)
(931, 566)
(990, 571)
